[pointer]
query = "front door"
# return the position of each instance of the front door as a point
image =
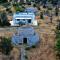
(24, 40)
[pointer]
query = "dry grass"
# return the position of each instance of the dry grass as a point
(45, 50)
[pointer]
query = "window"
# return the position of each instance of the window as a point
(23, 19)
(29, 20)
(18, 19)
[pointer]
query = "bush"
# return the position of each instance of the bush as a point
(6, 45)
(57, 45)
(7, 9)
(4, 20)
(58, 26)
(49, 8)
(33, 46)
(26, 57)
(34, 5)
(14, 5)
(44, 6)
(57, 34)
(56, 11)
(58, 56)
(41, 15)
(38, 8)
(3, 1)
(17, 4)
(20, 9)
(27, 48)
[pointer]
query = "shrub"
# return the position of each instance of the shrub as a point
(41, 15)
(56, 11)
(6, 45)
(34, 5)
(27, 48)
(58, 56)
(49, 8)
(57, 45)
(4, 19)
(33, 46)
(26, 57)
(7, 9)
(57, 34)
(20, 9)
(44, 6)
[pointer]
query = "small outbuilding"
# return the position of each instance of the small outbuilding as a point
(25, 35)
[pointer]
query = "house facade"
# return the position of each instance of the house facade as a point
(25, 35)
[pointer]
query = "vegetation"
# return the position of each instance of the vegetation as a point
(49, 8)
(17, 4)
(34, 5)
(6, 45)
(51, 19)
(58, 26)
(27, 48)
(33, 46)
(44, 6)
(8, 9)
(54, 2)
(2, 1)
(4, 20)
(57, 45)
(41, 15)
(26, 57)
(18, 7)
(56, 11)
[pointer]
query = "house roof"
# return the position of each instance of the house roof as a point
(26, 30)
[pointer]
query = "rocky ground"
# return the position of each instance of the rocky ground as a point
(45, 49)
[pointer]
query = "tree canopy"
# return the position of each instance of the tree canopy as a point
(2, 1)
(4, 20)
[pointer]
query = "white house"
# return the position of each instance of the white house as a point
(23, 18)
